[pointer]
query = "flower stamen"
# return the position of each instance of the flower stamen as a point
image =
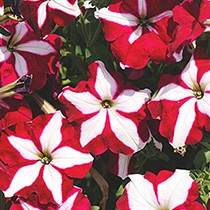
(46, 160)
(144, 23)
(107, 104)
(198, 94)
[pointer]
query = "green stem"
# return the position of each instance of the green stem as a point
(84, 29)
(95, 37)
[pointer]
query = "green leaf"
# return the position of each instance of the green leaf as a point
(202, 157)
(4, 31)
(2, 199)
(95, 207)
(120, 191)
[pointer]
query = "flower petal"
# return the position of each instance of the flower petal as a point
(21, 67)
(125, 130)
(173, 92)
(51, 135)
(36, 47)
(138, 198)
(124, 19)
(105, 84)
(142, 4)
(205, 81)
(42, 13)
(83, 101)
(27, 206)
(204, 104)
(20, 31)
(131, 100)
(53, 180)
(167, 13)
(135, 35)
(4, 53)
(123, 165)
(24, 177)
(189, 74)
(66, 157)
(25, 147)
(69, 203)
(174, 191)
(65, 6)
(184, 123)
(93, 127)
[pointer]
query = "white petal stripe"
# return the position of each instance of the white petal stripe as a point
(142, 8)
(174, 191)
(131, 101)
(42, 13)
(204, 104)
(93, 127)
(123, 165)
(189, 74)
(173, 92)
(37, 47)
(124, 19)
(21, 31)
(53, 180)
(139, 198)
(26, 206)
(4, 53)
(125, 130)
(69, 203)
(184, 122)
(25, 147)
(105, 84)
(51, 135)
(24, 177)
(151, 29)
(21, 67)
(135, 35)
(67, 157)
(65, 6)
(205, 81)
(167, 13)
(85, 102)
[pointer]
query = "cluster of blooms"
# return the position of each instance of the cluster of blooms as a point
(41, 156)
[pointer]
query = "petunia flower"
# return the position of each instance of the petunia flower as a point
(165, 191)
(23, 53)
(121, 165)
(192, 21)
(42, 15)
(18, 110)
(182, 103)
(41, 159)
(139, 30)
(75, 200)
(109, 110)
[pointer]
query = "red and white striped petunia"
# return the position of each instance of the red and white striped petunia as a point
(110, 111)
(75, 200)
(138, 30)
(42, 15)
(40, 159)
(183, 103)
(166, 191)
(23, 53)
